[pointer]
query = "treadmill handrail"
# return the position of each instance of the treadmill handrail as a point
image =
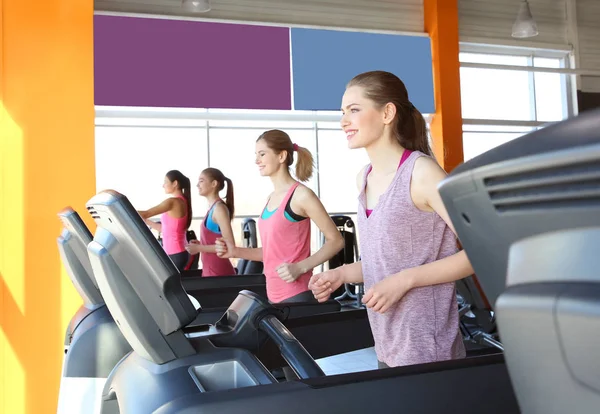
(291, 349)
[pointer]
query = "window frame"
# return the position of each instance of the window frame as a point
(569, 107)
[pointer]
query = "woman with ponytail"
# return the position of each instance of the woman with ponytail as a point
(175, 219)
(409, 254)
(284, 224)
(216, 223)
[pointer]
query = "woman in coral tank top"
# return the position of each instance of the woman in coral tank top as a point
(284, 224)
(409, 255)
(175, 217)
(216, 223)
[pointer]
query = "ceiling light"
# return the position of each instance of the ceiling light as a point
(524, 25)
(196, 6)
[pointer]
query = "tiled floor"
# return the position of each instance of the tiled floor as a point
(361, 360)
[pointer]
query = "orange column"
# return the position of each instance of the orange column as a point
(46, 163)
(441, 23)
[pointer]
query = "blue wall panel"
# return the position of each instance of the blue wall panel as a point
(323, 61)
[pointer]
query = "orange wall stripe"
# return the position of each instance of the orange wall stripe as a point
(47, 162)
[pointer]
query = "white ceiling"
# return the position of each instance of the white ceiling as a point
(396, 15)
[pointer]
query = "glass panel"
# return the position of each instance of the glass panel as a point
(549, 97)
(338, 169)
(496, 128)
(232, 151)
(495, 94)
(134, 161)
(475, 144)
(329, 125)
(547, 62)
(329, 113)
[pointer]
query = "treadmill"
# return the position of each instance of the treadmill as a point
(92, 325)
(528, 215)
(539, 191)
(94, 344)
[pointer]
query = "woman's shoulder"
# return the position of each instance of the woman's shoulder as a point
(303, 193)
(426, 166)
(177, 201)
(220, 208)
(427, 174)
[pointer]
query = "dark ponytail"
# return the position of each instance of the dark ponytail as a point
(410, 128)
(185, 186)
(186, 190)
(229, 198)
(215, 174)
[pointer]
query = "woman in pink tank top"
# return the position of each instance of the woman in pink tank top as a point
(216, 223)
(409, 255)
(284, 224)
(175, 217)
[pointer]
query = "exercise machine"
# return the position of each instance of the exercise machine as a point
(92, 324)
(249, 239)
(93, 343)
(477, 319)
(348, 255)
(528, 215)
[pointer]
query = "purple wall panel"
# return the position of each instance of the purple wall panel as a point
(174, 63)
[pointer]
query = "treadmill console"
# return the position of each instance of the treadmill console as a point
(245, 311)
(546, 181)
(248, 323)
(72, 245)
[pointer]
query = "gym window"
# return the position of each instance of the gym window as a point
(509, 92)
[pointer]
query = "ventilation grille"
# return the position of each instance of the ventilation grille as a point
(571, 186)
(93, 213)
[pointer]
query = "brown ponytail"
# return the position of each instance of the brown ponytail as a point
(229, 198)
(279, 141)
(410, 128)
(304, 164)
